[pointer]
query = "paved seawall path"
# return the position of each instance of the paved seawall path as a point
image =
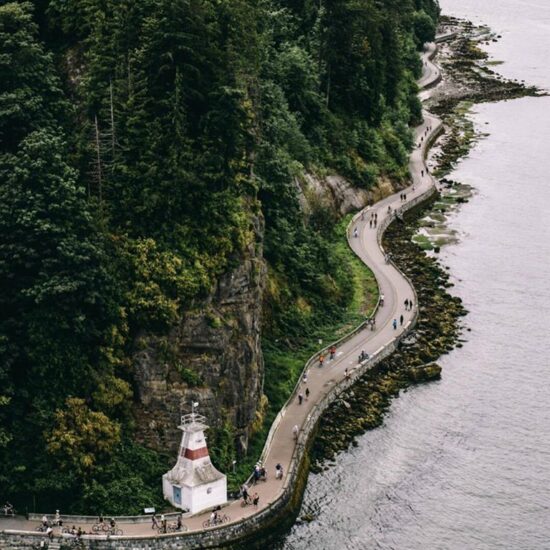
(281, 446)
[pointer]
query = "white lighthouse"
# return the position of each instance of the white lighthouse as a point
(194, 484)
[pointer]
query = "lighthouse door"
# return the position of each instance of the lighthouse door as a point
(177, 494)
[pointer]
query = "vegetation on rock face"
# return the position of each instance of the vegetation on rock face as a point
(137, 142)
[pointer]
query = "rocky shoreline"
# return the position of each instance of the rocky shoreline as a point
(437, 332)
(467, 79)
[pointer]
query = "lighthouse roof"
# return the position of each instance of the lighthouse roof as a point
(192, 477)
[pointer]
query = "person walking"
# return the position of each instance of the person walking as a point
(394, 323)
(154, 522)
(355, 232)
(244, 492)
(321, 360)
(300, 398)
(370, 224)
(406, 304)
(304, 378)
(410, 305)
(332, 352)
(295, 431)
(255, 500)
(278, 471)
(401, 319)
(307, 394)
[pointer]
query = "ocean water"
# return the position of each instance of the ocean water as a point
(464, 463)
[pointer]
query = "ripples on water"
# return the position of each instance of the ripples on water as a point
(464, 463)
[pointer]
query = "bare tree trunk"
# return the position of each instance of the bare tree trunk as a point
(112, 120)
(98, 160)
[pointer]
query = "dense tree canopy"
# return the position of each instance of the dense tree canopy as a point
(138, 140)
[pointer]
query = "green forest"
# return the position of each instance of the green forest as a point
(138, 141)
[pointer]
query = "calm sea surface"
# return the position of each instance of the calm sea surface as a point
(465, 463)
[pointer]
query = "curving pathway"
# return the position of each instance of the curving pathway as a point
(395, 288)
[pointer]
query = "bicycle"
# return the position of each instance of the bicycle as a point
(101, 527)
(222, 518)
(8, 510)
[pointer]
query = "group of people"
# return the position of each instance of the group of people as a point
(331, 353)
(247, 498)
(161, 524)
(373, 222)
(8, 509)
(259, 474)
(301, 396)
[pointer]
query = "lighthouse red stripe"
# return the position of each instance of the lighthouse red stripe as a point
(196, 453)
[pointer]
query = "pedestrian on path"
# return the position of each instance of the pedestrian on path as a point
(355, 232)
(321, 360)
(346, 373)
(406, 304)
(278, 471)
(255, 500)
(332, 351)
(295, 431)
(307, 394)
(401, 319)
(244, 493)
(154, 522)
(49, 532)
(304, 377)
(410, 305)
(394, 324)
(370, 224)
(300, 398)
(422, 172)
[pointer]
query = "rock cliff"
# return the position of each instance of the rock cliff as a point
(338, 194)
(212, 356)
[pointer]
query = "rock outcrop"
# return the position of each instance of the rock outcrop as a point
(338, 194)
(212, 356)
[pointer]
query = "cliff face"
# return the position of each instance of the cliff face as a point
(336, 193)
(213, 356)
